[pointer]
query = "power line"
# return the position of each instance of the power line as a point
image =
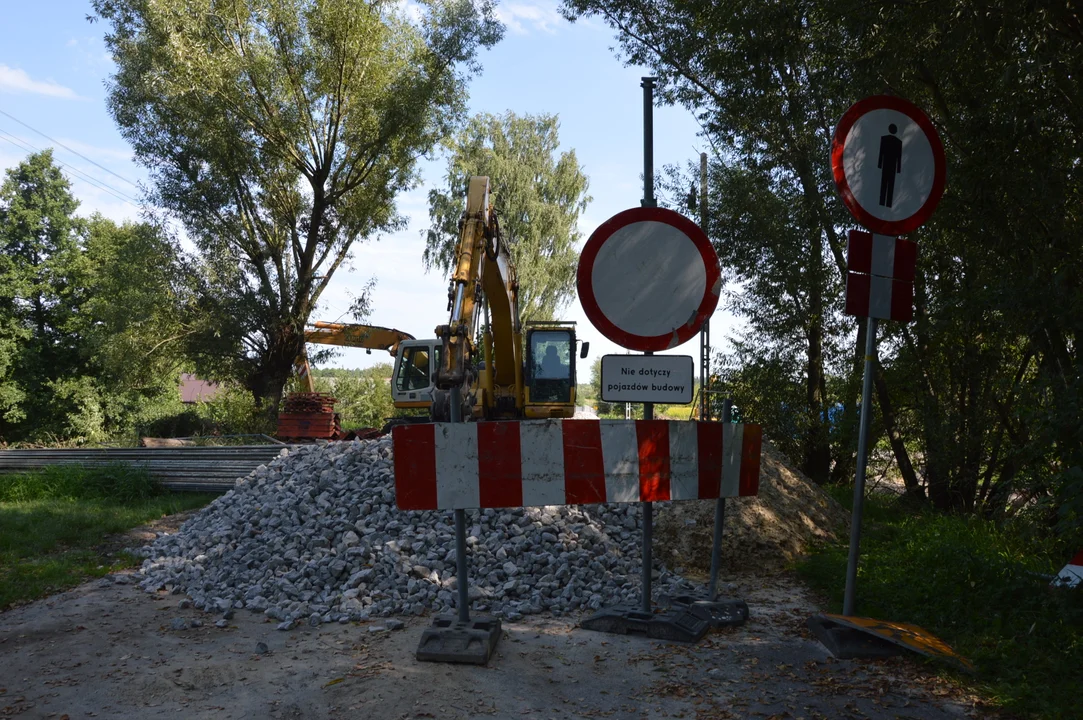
(39, 132)
(23, 145)
(80, 175)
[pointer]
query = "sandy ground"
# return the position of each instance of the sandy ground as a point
(107, 650)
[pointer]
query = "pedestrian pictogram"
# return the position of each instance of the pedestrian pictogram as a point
(888, 164)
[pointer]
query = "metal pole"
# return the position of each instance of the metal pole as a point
(705, 332)
(719, 520)
(461, 572)
(648, 531)
(648, 142)
(859, 477)
(648, 408)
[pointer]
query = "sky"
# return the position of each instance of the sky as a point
(54, 67)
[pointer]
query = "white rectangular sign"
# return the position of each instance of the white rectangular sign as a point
(647, 378)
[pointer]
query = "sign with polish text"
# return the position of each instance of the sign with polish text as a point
(664, 379)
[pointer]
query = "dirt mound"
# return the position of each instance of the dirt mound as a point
(765, 532)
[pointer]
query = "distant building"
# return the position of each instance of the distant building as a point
(193, 390)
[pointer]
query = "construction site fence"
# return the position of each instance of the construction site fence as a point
(195, 469)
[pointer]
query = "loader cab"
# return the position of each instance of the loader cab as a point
(550, 370)
(414, 379)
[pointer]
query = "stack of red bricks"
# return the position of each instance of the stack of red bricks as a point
(308, 415)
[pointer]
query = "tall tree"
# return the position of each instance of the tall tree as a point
(87, 314)
(538, 196)
(39, 244)
(987, 383)
(280, 132)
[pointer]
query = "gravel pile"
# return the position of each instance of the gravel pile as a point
(315, 536)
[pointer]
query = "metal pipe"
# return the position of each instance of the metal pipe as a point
(457, 308)
(460, 565)
(648, 142)
(462, 573)
(719, 520)
(859, 476)
(648, 532)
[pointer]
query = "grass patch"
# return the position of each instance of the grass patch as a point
(975, 585)
(53, 521)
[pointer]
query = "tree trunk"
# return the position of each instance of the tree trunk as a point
(846, 463)
(817, 461)
(902, 456)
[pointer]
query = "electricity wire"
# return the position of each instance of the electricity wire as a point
(24, 145)
(39, 132)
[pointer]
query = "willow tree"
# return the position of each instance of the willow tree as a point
(279, 132)
(538, 193)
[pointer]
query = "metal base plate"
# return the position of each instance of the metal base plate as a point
(449, 640)
(723, 612)
(677, 625)
(846, 643)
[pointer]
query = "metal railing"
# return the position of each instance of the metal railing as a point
(195, 468)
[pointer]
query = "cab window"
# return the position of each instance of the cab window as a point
(416, 372)
(551, 371)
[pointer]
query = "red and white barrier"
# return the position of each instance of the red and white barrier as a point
(1072, 574)
(446, 466)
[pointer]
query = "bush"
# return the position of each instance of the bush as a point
(119, 482)
(981, 588)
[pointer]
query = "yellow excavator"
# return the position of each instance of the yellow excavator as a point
(505, 371)
(311, 415)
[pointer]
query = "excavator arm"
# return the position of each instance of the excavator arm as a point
(483, 283)
(370, 337)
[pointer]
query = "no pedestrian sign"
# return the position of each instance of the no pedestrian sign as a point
(664, 379)
(888, 164)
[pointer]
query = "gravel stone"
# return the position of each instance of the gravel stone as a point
(315, 536)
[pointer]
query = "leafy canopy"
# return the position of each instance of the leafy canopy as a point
(538, 196)
(280, 132)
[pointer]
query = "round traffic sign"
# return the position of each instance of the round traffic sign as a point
(648, 279)
(888, 164)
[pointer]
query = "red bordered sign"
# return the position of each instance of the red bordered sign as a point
(648, 279)
(888, 164)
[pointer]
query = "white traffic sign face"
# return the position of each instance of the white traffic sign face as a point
(648, 279)
(647, 378)
(888, 164)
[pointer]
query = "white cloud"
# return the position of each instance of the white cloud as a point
(14, 80)
(521, 18)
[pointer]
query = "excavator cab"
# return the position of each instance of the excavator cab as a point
(550, 370)
(414, 378)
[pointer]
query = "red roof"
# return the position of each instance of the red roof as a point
(193, 390)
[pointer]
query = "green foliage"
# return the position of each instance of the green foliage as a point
(117, 482)
(364, 396)
(235, 412)
(985, 387)
(52, 522)
(280, 132)
(977, 586)
(89, 314)
(538, 197)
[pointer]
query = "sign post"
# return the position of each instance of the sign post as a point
(649, 279)
(888, 166)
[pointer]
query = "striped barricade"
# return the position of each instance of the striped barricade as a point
(446, 466)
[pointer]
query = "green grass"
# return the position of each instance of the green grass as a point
(53, 521)
(975, 586)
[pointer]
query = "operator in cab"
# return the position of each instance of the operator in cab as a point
(552, 367)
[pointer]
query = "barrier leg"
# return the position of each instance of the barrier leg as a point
(460, 639)
(716, 612)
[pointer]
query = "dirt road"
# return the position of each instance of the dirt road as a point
(109, 650)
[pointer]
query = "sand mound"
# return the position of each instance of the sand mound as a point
(765, 532)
